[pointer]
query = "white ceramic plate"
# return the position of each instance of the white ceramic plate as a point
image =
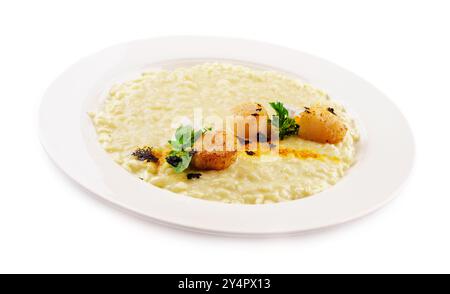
(385, 153)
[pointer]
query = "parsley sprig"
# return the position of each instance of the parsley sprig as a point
(285, 124)
(182, 147)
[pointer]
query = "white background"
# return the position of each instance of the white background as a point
(48, 224)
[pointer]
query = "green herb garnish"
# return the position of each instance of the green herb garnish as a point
(285, 124)
(182, 147)
(185, 137)
(179, 160)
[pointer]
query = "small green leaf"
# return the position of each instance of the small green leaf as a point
(179, 160)
(182, 138)
(197, 135)
(285, 124)
(184, 164)
(175, 145)
(180, 156)
(182, 132)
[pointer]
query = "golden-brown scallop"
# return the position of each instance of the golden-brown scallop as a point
(321, 124)
(214, 151)
(251, 121)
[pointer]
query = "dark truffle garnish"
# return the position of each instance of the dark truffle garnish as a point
(173, 160)
(191, 176)
(331, 109)
(145, 154)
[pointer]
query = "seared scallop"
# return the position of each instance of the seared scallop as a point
(321, 124)
(251, 121)
(214, 151)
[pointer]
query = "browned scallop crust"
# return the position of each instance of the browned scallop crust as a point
(212, 154)
(213, 160)
(251, 113)
(322, 125)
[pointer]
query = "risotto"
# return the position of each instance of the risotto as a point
(145, 112)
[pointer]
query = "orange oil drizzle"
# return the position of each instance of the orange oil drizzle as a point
(285, 152)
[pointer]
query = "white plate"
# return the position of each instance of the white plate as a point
(385, 154)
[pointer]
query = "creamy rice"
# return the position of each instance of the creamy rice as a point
(141, 112)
